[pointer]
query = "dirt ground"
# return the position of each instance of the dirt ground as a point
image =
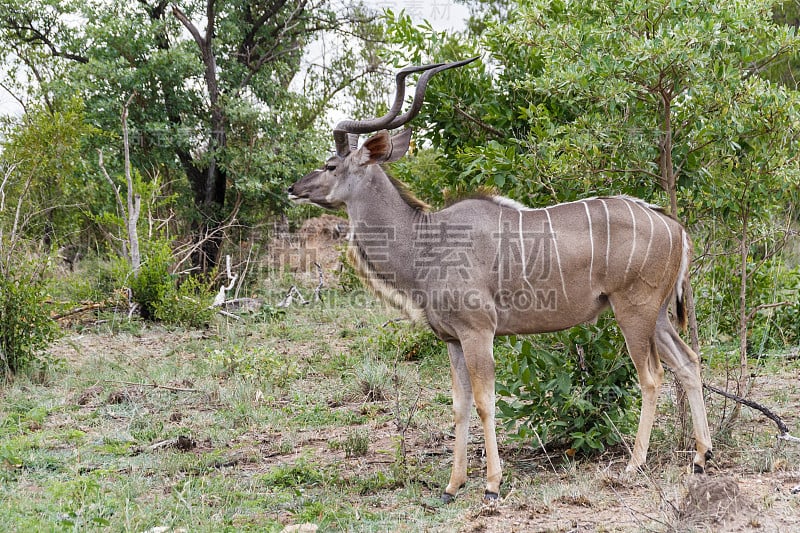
(753, 483)
(538, 495)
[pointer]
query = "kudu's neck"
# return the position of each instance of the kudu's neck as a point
(380, 204)
(383, 229)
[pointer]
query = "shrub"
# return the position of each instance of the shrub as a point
(26, 329)
(409, 343)
(160, 296)
(153, 284)
(573, 389)
(187, 305)
(771, 282)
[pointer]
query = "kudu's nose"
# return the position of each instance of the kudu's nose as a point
(290, 190)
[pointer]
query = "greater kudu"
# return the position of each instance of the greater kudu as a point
(488, 266)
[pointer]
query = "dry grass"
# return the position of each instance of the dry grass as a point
(317, 423)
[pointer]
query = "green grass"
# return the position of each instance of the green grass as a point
(319, 414)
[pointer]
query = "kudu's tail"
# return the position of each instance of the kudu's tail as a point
(682, 283)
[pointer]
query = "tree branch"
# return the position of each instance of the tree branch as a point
(320, 105)
(189, 25)
(15, 97)
(488, 127)
(248, 42)
(120, 205)
(27, 33)
(210, 19)
(134, 200)
(749, 403)
(761, 307)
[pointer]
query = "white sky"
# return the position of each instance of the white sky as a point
(442, 14)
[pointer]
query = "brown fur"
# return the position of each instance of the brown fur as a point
(408, 196)
(481, 193)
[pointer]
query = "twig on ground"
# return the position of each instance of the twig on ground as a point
(291, 294)
(86, 307)
(153, 385)
(227, 314)
(181, 442)
(317, 294)
(243, 304)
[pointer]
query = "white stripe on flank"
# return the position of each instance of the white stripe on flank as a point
(608, 233)
(650, 242)
(499, 256)
(591, 243)
(522, 254)
(633, 246)
(683, 272)
(558, 257)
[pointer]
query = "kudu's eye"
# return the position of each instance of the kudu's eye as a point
(330, 168)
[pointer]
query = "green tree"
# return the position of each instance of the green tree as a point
(217, 106)
(50, 147)
(25, 325)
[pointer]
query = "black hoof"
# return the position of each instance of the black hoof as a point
(697, 469)
(709, 455)
(489, 496)
(447, 498)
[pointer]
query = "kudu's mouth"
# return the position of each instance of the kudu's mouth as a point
(304, 199)
(296, 198)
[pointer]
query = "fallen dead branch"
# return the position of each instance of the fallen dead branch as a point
(243, 305)
(180, 442)
(782, 427)
(153, 385)
(294, 294)
(91, 306)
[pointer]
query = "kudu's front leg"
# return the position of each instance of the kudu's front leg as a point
(472, 367)
(462, 406)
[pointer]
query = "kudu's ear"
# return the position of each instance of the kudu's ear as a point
(383, 148)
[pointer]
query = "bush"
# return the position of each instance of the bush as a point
(718, 304)
(161, 298)
(573, 389)
(26, 329)
(187, 305)
(409, 343)
(153, 283)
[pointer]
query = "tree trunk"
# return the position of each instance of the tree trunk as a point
(669, 184)
(743, 374)
(209, 184)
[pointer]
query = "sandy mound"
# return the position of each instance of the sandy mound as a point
(320, 241)
(713, 500)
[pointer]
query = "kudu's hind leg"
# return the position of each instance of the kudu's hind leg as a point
(639, 337)
(651, 373)
(462, 406)
(686, 366)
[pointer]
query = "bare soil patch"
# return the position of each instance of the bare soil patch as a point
(318, 241)
(539, 494)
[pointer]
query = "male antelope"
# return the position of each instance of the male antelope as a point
(489, 266)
